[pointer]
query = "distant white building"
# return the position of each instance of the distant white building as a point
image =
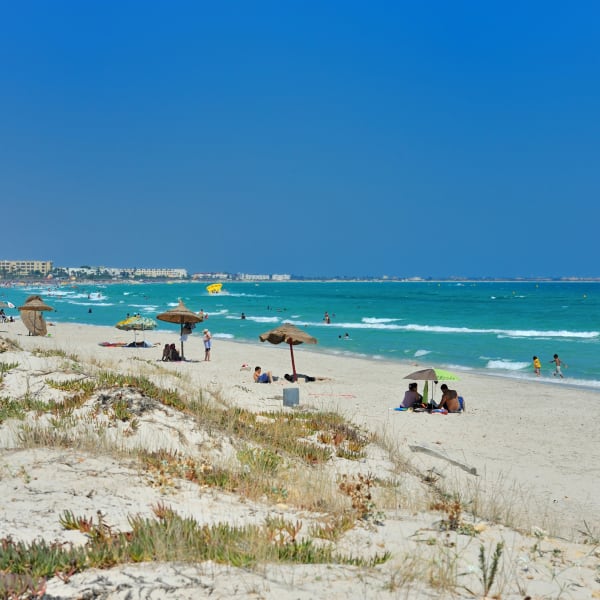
(126, 272)
(253, 277)
(281, 277)
(219, 276)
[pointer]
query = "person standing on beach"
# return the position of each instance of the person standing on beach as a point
(557, 366)
(537, 366)
(207, 344)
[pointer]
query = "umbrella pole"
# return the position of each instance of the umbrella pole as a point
(181, 338)
(294, 375)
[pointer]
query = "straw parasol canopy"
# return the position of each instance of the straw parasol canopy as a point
(35, 303)
(290, 334)
(182, 315)
(31, 315)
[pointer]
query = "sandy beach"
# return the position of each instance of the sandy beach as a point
(524, 460)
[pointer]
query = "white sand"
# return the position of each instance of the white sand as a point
(534, 445)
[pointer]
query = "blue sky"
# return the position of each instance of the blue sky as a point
(314, 138)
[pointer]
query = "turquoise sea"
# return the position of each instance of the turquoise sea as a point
(492, 327)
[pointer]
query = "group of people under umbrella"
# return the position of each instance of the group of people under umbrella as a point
(450, 401)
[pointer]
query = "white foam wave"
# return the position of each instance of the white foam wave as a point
(506, 365)
(375, 320)
(421, 353)
(518, 333)
(255, 319)
(505, 332)
(56, 293)
(264, 319)
(91, 303)
(218, 313)
(238, 295)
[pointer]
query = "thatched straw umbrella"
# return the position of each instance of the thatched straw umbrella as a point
(31, 315)
(290, 334)
(180, 314)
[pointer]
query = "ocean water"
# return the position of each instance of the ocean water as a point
(486, 326)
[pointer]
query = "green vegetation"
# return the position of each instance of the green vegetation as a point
(168, 537)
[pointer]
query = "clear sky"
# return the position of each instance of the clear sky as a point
(320, 138)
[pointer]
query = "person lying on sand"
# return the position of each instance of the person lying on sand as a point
(306, 378)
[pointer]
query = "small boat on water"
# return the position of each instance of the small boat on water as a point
(214, 288)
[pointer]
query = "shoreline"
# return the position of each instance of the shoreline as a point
(390, 330)
(402, 362)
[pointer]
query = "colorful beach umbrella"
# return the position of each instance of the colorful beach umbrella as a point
(432, 375)
(135, 324)
(428, 375)
(290, 334)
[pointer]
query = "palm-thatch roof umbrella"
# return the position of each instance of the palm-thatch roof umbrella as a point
(180, 314)
(290, 334)
(31, 315)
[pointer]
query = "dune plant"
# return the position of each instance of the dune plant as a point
(6, 367)
(11, 409)
(48, 352)
(358, 489)
(333, 527)
(21, 585)
(489, 567)
(169, 537)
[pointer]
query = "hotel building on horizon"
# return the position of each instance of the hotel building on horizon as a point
(127, 272)
(25, 267)
(45, 268)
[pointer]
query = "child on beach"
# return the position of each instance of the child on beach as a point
(537, 366)
(557, 366)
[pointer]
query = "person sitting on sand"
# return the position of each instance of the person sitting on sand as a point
(260, 377)
(166, 353)
(411, 397)
(449, 399)
(173, 353)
